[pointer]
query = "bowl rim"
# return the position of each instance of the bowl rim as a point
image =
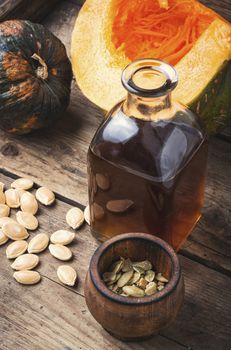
(106, 292)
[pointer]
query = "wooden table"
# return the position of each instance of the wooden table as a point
(52, 316)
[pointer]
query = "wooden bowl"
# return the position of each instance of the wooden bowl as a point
(129, 318)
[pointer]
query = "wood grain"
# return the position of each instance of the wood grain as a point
(61, 153)
(35, 10)
(52, 316)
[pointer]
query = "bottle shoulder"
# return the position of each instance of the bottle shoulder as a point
(156, 149)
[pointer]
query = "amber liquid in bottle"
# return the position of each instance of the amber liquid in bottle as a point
(147, 176)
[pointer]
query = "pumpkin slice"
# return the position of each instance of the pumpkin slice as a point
(101, 48)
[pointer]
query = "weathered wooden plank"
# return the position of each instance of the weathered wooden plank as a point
(22, 9)
(203, 321)
(60, 152)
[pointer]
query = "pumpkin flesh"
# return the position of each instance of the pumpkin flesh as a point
(99, 56)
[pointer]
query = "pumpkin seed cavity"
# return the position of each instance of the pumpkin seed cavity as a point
(133, 279)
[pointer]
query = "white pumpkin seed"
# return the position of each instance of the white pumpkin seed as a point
(160, 283)
(4, 210)
(161, 278)
(98, 211)
(27, 220)
(2, 197)
(28, 203)
(63, 237)
(102, 181)
(149, 276)
(22, 184)
(145, 265)
(124, 279)
(25, 262)
(67, 275)
(27, 277)
(20, 193)
(15, 231)
(150, 288)
(74, 217)
(12, 198)
(3, 238)
(6, 220)
(2, 185)
(60, 252)
(119, 205)
(133, 291)
(38, 243)
(45, 196)
(86, 214)
(15, 249)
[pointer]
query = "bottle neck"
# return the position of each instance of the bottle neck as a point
(157, 108)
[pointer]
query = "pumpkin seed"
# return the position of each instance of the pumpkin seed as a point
(102, 181)
(98, 211)
(127, 265)
(22, 184)
(38, 243)
(2, 197)
(150, 288)
(135, 278)
(27, 277)
(2, 185)
(160, 283)
(142, 283)
(145, 265)
(45, 196)
(3, 238)
(12, 198)
(67, 275)
(117, 266)
(15, 249)
(6, 220)
(60, 252)
(20, 193)
(27, 220)
(133, 291)
(15, 231)
(28, 203)
(4, 210)
(160, 288)
(86, 214)
(161, 278)
(63, 237)
(124, 279)
(74, 217)
(109, 276)
(138, 269)
(119, 205)
(25, 262)
(149, 276)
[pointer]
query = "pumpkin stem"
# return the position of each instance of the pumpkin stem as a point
(42, 70)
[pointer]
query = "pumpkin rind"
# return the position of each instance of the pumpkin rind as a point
(27, 100)
(97, 65)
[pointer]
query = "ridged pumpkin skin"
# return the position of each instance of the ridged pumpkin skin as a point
(33, 90)
(97, 64)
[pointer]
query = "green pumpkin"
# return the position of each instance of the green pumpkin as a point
(35, 77)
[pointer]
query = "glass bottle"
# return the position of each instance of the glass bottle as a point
(147, 161)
